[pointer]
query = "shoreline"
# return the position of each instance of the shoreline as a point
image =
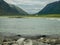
(27, 17)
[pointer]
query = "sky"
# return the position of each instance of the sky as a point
(30, 6)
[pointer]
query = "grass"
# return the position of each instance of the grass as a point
(51, 15)
(36, 16)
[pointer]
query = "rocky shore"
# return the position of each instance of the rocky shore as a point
(39, 40)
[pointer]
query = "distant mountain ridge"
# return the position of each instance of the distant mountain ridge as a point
(52, 8)
(6, 9)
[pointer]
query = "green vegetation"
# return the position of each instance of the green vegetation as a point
(51, 8)
(50, 15)
(27, 16)
(10, 9)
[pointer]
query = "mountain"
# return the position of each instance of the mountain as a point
(52, 8)
(7, 9)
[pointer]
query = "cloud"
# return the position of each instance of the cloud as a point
(31, 6)
(29, 2)
(10, 1)
(24, 2)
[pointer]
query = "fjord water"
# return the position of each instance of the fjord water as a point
(30, 26)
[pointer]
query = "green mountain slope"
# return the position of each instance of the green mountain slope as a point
(52, 8)
(6, 9)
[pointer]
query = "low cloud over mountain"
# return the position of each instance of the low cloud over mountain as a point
(7, 9)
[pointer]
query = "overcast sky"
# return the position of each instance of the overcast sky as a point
(30, 6)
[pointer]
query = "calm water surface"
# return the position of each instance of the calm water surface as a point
(30, 25)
